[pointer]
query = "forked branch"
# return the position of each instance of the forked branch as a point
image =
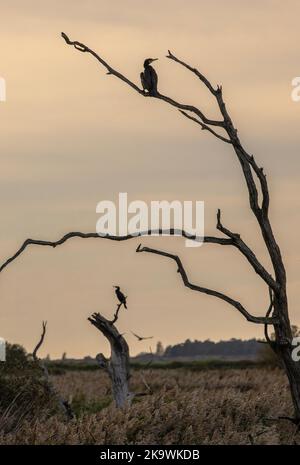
(248, 253)
(111, 71)
(204, 127)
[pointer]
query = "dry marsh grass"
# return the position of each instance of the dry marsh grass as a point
(186, 407)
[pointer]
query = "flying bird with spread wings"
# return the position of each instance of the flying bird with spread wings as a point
(141, 338)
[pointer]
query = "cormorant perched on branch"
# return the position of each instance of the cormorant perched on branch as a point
(122, 298)
(149, 77)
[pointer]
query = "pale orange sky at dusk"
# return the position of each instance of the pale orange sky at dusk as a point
(72, 136)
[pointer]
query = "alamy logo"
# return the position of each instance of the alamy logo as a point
(295, 95)
(2, 89)
(296, 351)
(2, 350)
(184, 216)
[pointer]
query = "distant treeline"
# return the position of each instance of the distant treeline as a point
(231, 348)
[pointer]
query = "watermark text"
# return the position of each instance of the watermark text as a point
(161, 218)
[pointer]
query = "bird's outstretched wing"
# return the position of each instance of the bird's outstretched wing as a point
(140, 338)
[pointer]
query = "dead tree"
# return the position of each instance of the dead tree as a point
(117, 366)
(223, 129)
(52, 391)
(257, 186)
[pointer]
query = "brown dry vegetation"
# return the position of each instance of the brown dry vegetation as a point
(186, 407)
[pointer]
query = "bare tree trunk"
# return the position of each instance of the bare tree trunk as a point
(292, 370)
(117, 366)
(283, 348)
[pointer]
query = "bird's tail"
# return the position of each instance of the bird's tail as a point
(125, 305)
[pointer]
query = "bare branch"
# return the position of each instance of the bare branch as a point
(202, 78)
(63, 404)
(116, 315)
(234, 241)
(247, 252)
(205, 127)
(244, 158)
(217, 93)
(191, 108)
(94, 235)
(35, 351)
(219, 295)
(83, 48)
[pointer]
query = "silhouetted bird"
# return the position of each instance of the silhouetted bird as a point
(149, 77)
(121, 296)
(140, 338)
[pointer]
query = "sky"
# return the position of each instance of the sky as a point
(72, 136)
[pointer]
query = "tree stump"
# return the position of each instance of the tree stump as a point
(117, 366)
